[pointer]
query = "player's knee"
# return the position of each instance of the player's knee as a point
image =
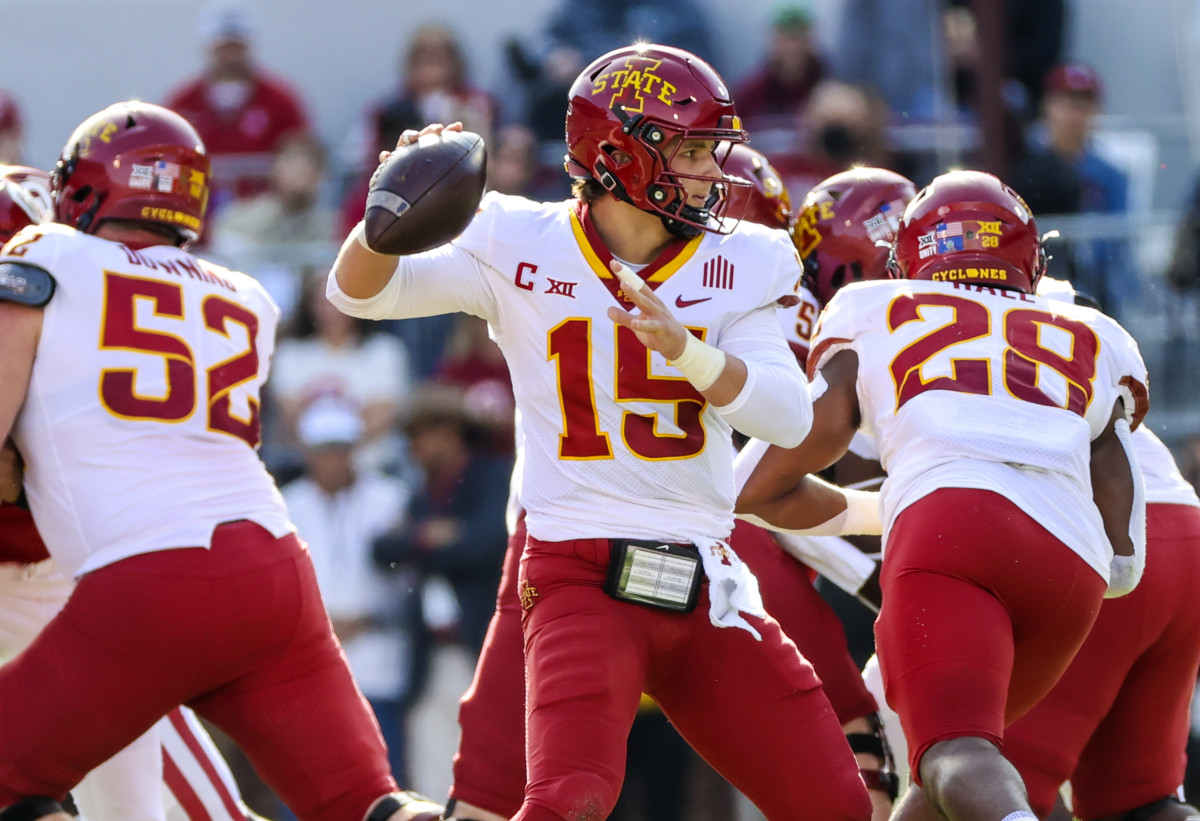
(583, 796)
(951, 767)
(34, 809)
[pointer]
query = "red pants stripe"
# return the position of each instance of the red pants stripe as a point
(983, 610)
(237, 632)
(1116, 724)
(753, 709)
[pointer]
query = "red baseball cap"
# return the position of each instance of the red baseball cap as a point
(1074, 78)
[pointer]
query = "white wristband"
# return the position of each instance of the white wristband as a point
(700, 362)
(860, 518)
(862, 513)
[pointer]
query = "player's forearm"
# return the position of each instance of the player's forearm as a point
(815, 507)
(1113, 492)
(771, 404)
(360, 272)
(20, 330)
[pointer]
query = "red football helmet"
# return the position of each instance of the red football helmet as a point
(968, 226)
(846, 225)
(765, 200)
(24, 199)
(133, 161)
(643, 101)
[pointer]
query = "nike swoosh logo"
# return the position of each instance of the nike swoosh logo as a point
(680, 302)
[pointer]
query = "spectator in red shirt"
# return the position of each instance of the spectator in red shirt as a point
(240, 111)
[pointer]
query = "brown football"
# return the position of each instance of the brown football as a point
(425, 193)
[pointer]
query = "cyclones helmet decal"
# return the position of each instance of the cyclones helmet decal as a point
(627, 115)
(968, 226)
(845, 226)
(133, 161)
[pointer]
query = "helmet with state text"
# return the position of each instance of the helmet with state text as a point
(845, 227)
(968, 226)
(133, 161)
(629, 113)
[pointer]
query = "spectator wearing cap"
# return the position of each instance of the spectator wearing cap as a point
(455, 527)
(783, 83)
(11, 130)
(240, 111)
(1061, 173)
(341, 509)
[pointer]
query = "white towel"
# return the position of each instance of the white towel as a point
(732, 588)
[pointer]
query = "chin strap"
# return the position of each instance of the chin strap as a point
(875, 743)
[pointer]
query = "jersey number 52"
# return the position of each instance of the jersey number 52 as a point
(118, 386)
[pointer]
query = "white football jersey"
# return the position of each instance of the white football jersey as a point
(617, 442)
(969, 386)
(142, 418)
(1164, 483)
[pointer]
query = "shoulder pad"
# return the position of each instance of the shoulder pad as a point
(25, 283)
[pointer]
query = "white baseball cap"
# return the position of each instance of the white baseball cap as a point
(329, 421)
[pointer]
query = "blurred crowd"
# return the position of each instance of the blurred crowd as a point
(394, 440)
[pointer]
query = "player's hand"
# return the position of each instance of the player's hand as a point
(410, 136)
(654, 324)
(12, 472)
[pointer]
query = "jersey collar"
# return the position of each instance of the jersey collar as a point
(671, 259)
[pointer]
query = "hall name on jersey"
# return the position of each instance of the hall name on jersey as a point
(180, 267)
(978, 288)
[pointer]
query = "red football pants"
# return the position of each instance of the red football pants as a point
(1116, 724)
(983, 610)
(754, 709)
(238, 633)
(489, 768)
(806, 618)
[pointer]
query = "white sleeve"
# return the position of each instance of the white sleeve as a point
(445, 280)
(774, 405)
(834, 558)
